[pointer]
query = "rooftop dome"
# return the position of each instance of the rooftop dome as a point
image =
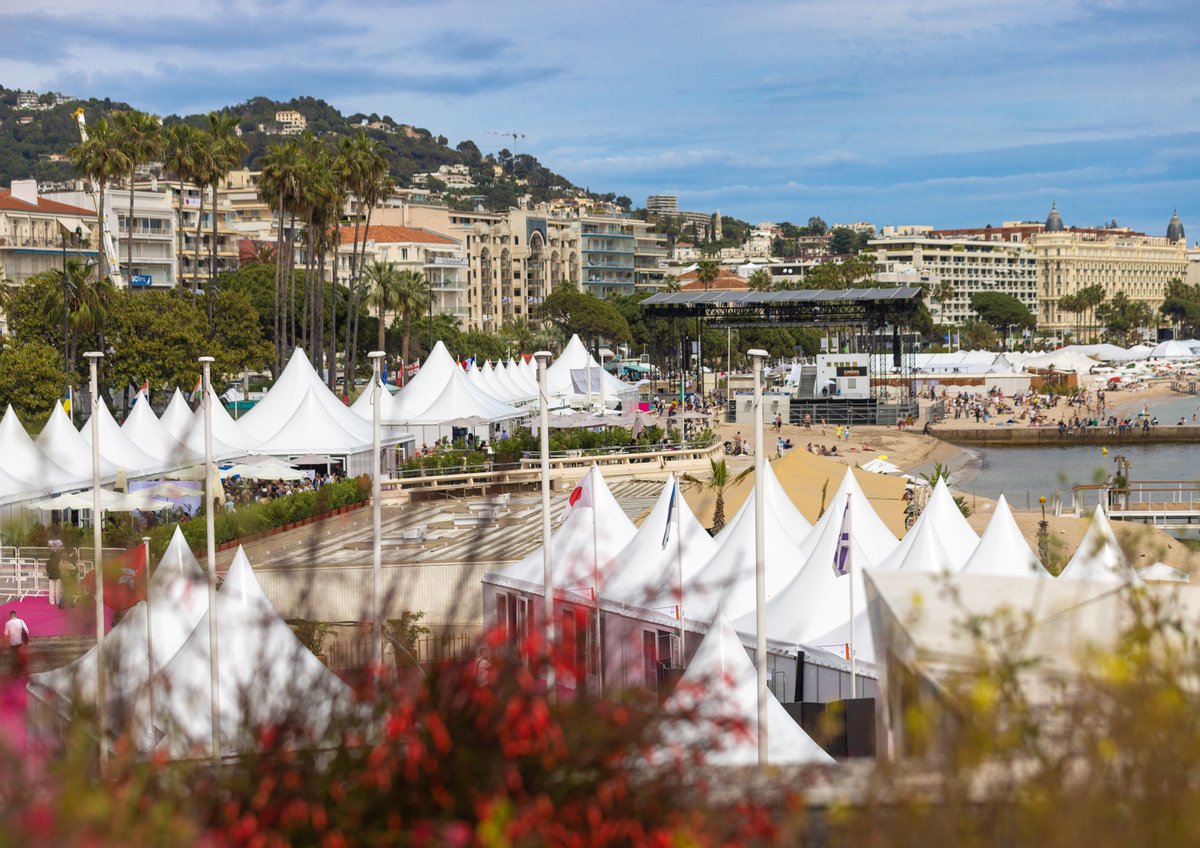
(1054, 223)
(1175, 228)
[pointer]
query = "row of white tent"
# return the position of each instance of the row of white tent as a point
(656, 567)
(157, 668)
(298, 416)
(1079, 359)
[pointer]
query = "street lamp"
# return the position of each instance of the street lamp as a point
(376, 357)
(93, 357)
(543, 360)
(210, 503)
(760, 569)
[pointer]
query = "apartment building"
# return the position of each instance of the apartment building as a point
(194, 262)
(650, 256)
(152, 233)
(969, 266)
(37, 231)
(1136, 264)
(291, 122)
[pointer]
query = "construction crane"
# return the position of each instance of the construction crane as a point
(511, 134)
(109, 248)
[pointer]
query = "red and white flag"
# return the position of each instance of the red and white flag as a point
(581, 496)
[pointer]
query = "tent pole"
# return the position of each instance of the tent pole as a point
(596, 580)
(760, 573)
(543, 358)
(149, 642)
(376, 357)
(93, 358)
(679, 566)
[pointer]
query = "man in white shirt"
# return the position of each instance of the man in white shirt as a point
(17, 634)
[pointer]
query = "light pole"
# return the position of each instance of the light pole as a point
(760, 570)
(149, 641)
(210, 503)
(543, 360)
(376, 357)
(603, 353)
(93, 357)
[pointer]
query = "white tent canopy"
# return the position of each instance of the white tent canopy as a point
(588, 542)
(311, 428)
(118, 448)
(24, 461)
(646, 572)
(177, 417)
(109, 502)
(298, 384)
(942, 521)
(62, 445)
(718, 694)
(362, 406)
(266, 676)
(1099, 557)
(442, 390)
(178, 600)
(1002, 548)
(576, 357)
(153, 437)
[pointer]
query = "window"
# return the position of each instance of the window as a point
(512, 616)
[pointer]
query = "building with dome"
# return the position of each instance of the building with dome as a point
(1117, 259)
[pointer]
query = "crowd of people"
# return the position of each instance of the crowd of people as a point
(244, 491)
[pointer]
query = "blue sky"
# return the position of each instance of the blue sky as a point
(940, 112)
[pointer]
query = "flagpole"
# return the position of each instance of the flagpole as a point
(149, 642)
(679, 567)
(596, 579)
(850, 574)
(760, 567)
(93, 358)
(543, 358)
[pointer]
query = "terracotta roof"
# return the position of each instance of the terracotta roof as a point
(381, 234)
(726, 281)
(53, 207)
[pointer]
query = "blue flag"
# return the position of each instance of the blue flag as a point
(670, 514)
(841, 554)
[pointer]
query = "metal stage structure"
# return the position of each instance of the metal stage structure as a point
(870, 321)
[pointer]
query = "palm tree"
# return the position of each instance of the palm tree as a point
(140, 136)
(100, 158)
(719, 482)
(279, 186)
(88, 301)
(415, 296)
(518, 332)
(707, 271)
(760, 280)
(670, 283)
(185, 158)
(226, 150)
(383, 292)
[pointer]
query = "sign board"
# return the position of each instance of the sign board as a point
(450, 261)
(191, 201)
(850, 371)
(140, 280)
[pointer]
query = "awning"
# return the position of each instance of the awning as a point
(73, 224)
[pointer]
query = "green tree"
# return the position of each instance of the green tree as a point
(976, 335)
(238, 334)
(101, 159)
(279, 186)
(88, 301)
(670, 283)
(942, 294)
(140, 138)
(225, 152)
(719, 481)
(1181, 306)
(186, 158)
(382, 280)
(414, 298)
(156, 336)
(1003, 311)
(31, 380)
(760, 280)
(843, 241)
(1124, 317)
(573, 311)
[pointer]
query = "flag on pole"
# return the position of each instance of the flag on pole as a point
(145, 388)
(196, 391)
(124, 579)
(841, 554)
(581, 496)
(670, 514)
(67, 402)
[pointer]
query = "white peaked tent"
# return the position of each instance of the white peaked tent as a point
(524, 377)
(458, 400)
(577, 553)
(714, 708)
(1099, 556)
(178, 592)
(62, 445)
(498, 384)
(797, 526)
(1160, 572)
(119, 449)
(1061, 360)
(24, 462)
(1172, 350)
(229, 439)
(298, 382)
(152, 436)
(1002, 548)
(441, 374)
(816, 600)
(942, 521)
(646, 572)
(727, 578)
(362, 406)
(265, 676)
(177, 417)
(311, 428)
(576, 357)
(475, 378)
(529, 368)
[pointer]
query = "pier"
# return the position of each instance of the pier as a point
(1166, 504)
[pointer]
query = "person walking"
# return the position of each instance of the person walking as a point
(17, 634)
(54, 572)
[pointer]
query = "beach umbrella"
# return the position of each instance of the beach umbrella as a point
(109, 502)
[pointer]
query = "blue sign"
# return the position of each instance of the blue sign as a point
(139, 280)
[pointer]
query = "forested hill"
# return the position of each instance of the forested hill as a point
(32, 142)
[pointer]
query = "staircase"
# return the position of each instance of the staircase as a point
(808, 381)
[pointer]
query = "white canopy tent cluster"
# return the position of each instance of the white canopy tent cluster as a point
(157, 672)
(670, 568)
